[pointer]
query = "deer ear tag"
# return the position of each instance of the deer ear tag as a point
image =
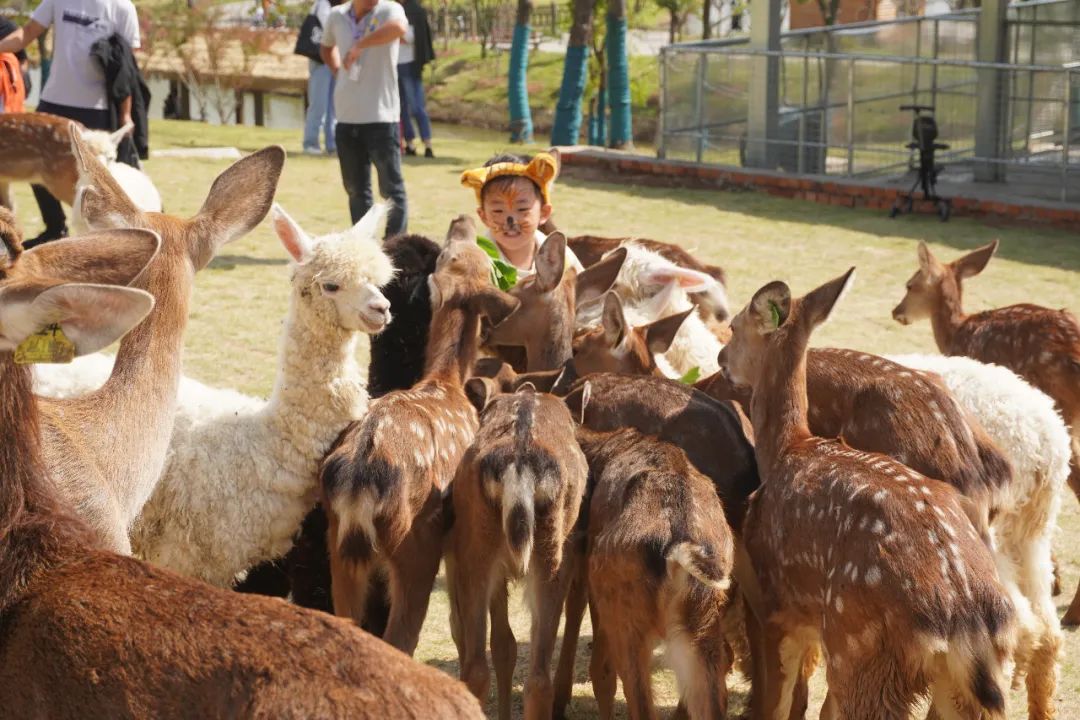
(49, 345)
(774, 314)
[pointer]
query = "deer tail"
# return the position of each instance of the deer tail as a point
(699, 562)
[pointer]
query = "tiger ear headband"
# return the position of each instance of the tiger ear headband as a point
(542, 170)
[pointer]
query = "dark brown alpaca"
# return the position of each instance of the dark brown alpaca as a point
(384, 484)
(88, 633)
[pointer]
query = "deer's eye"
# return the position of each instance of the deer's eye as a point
(330, 287)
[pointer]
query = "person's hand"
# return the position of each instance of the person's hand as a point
(354, 53)
(125, 120)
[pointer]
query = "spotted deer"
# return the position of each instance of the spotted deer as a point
(544, 323)
(1039, 344)
(88, 633)
(36, 148)
(888, 570)
(659, 562)
(516, 499)
(107, 469)
(613, 346)
(385, 482)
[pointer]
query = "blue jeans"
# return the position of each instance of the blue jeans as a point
(320, 112)
(359, 146)
(411, 91)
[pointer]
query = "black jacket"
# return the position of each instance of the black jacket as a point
(122, 78)
(424, 47)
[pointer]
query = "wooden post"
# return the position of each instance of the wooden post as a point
(185, 102)
(260, 118)
(239, 94)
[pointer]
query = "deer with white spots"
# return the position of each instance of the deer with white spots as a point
(1039, 344)
(850, 553)
(385, 483)
(516, 499)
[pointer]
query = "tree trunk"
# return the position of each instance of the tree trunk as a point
(618, 76)
(673, 24)
(521, 126)
(567, 126)
(706, 20)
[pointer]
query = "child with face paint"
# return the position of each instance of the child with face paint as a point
(513, 195)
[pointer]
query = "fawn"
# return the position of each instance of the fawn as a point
(1039, 344)
(385, 482)
(516, 498)
(614, 346)
(880, 565)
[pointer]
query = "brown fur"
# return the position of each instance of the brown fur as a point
(516, 499)
(660, 555)
(544, 324)
(87, 633)
(613, 346)
(36, 148)
(1039, 344)
(879, 564)
(384, 484)
(105, 450)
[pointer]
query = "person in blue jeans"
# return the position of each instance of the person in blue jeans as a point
(360, 46)
(416, 51)
(320, 90)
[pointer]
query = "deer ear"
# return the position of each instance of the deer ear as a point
(106, 257)
(551, 262)
(462, 229)
(770, 307)
(99, 202)
(91, 316)
(292, 236)
(975, 261)
(480, 392)
(565, 379)
(818, 304)
(613, 320)
(241, 196)
(927, 262)
(660, 334)
(598, 278)
(495, 305)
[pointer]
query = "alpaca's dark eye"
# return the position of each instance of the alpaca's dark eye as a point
(330, 287)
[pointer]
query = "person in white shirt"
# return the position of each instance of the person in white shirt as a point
(76, 85)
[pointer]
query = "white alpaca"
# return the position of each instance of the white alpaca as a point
(1024, 424)
(137, 184)
(651, 287)
(241, 473)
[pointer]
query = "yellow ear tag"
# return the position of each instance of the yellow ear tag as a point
(50, 345)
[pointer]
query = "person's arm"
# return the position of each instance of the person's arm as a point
(22, 37)
(330, 57)
(125, 111)
(388, 33)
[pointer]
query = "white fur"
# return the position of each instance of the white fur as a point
(138, 186)
(1024, 424)
(645, 301)
(241, 473)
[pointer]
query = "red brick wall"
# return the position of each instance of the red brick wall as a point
(807, 13)
(606, 165)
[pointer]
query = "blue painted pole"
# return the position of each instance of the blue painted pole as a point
(521, 125)
(567, 126)
(618, 82)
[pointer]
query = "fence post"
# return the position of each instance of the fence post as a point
(699, 106)
(763, 99)
(661, 145)
(851, 118)
(991, 91)
(1065, 141)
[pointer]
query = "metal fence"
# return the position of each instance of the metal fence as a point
(840, 91)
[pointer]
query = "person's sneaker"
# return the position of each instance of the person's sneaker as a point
(312, 151)
(410, 150)
(45, 237)
(429, 153)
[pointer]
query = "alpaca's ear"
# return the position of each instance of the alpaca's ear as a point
(368, 226)
(292, 236)
(117, 137)
(691, 281)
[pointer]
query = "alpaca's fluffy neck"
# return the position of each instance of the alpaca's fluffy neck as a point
(319, 381)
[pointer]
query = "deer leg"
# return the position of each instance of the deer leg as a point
(412, 576)
(632, 657)
(601, 672)
(577, 599)
(503, 648)
(783, 666)
(469, 599)
(547, 602)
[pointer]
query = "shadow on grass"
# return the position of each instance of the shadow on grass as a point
(439, 159)
(229, 262)
(1030, 245)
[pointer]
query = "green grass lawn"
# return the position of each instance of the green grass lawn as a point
(239, 300)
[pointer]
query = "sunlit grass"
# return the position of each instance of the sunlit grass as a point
(240, 299)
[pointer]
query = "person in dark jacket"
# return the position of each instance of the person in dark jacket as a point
(123, 80)
(416, 51)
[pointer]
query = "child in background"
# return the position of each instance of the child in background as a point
(514, 199)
